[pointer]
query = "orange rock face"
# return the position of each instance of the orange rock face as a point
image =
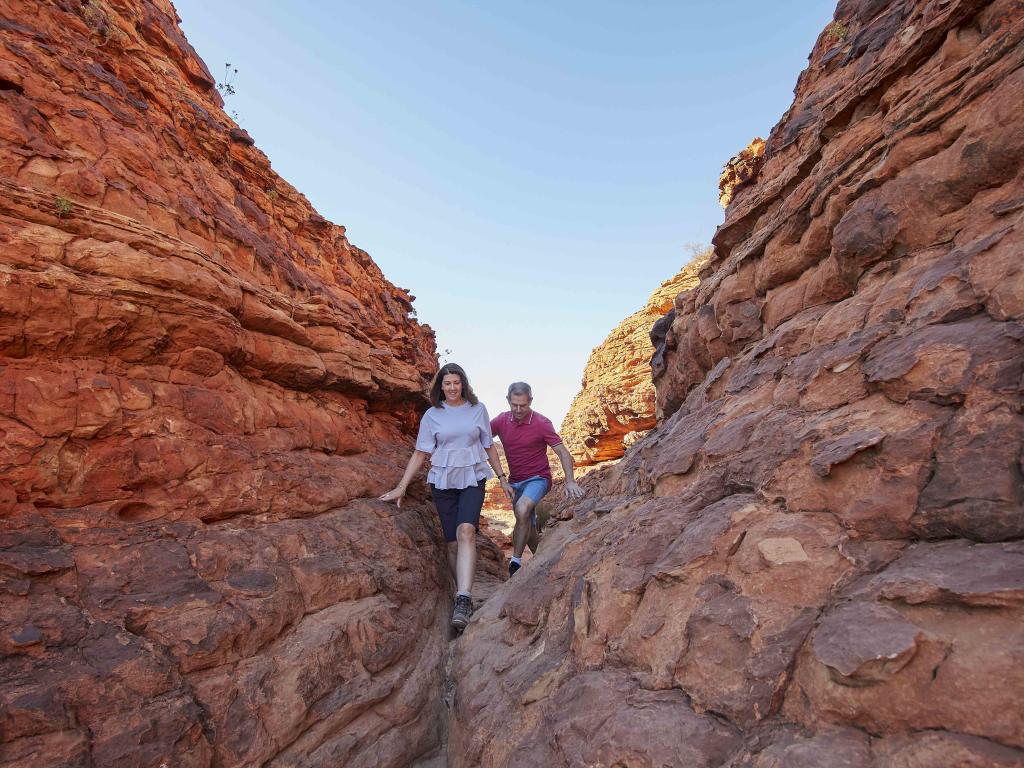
(616, 400)
(740, 169)
(202, 383)
(815, 558)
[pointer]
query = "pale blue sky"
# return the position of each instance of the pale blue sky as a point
(530, 170)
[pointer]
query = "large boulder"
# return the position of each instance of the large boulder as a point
(815, 557)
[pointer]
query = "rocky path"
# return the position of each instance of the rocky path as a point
(490, 576)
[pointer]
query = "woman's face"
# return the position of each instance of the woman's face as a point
(451, 385)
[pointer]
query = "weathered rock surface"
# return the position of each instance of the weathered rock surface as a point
(741, 169)
(615, 404)
(201, 382)
(814, 559)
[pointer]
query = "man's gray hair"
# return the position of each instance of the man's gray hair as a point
(519, 388)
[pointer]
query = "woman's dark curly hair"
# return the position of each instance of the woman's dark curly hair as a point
(437, 396)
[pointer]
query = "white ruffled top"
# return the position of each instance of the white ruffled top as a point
(457, 439)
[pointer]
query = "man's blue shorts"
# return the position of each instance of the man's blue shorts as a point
(533, 488)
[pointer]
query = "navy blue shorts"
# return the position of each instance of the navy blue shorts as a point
(456, 506)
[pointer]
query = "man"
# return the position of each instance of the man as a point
(526, 436)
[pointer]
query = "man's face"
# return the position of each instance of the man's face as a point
(520, 405)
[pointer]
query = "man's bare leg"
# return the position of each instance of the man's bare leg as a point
(524, 525)
(534, 541)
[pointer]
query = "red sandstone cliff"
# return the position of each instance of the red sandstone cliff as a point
(202, 384)
(815, 559)
(616, 401)
(744, 167)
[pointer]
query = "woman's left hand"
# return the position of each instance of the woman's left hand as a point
(395, 494)
(507, 488)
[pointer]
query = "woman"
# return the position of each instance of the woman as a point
(456, 434)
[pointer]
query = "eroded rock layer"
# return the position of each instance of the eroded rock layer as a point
(740, 170)
(200, 378)
(815, 559)
(616, 398)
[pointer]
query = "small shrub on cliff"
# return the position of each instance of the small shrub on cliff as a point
(97, 17)
(63, 206)
(227, 85)
(837, 31)
(698, 253)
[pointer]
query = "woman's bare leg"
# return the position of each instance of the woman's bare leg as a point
(465, 566)
(453, 556)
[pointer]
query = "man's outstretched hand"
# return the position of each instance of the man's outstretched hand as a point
(572, 490)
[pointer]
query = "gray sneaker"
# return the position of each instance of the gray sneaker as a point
(463, 611)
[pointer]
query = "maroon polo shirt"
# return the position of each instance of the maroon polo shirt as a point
(525, 444)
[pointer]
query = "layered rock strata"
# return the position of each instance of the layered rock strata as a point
(616, 401)
(201, 383)
(741, 169)
(815, 559)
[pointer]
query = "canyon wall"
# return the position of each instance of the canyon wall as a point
(203, 384)
(815, 557)
(615, 404)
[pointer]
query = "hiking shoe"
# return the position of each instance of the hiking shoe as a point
(463, 610)
(513, 566)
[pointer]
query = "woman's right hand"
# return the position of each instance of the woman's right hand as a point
(395, 494)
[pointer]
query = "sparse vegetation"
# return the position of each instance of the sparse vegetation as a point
(698, 252)
(227, 84)
(97, 17)
(226, 87)
(837, 30)
(63, 206)
(271, 193)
